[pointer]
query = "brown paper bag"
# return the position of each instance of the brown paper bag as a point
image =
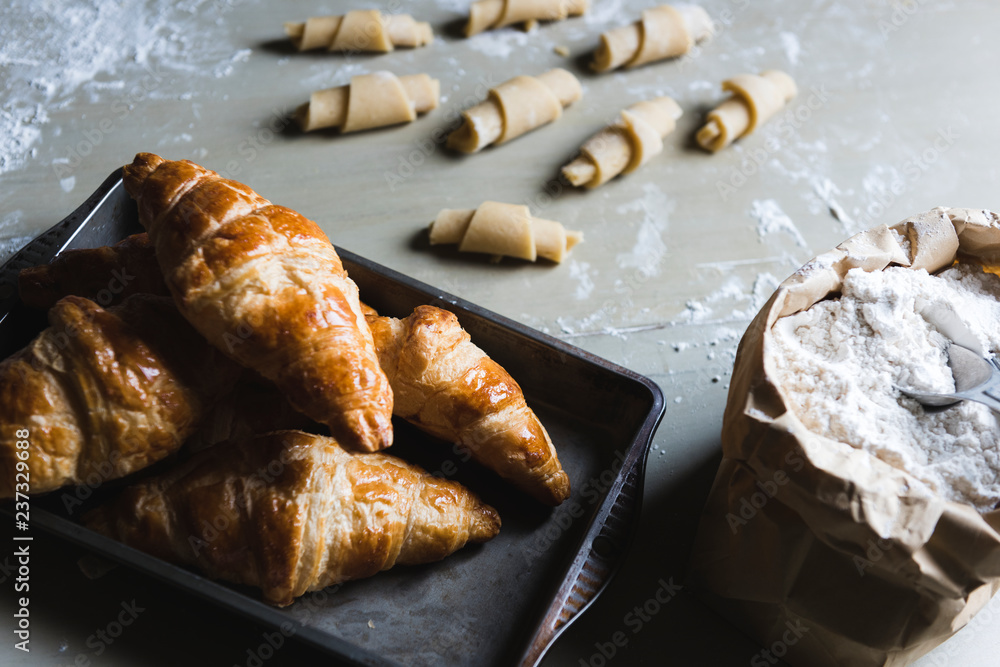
(825, 554)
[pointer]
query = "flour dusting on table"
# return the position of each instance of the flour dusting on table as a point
(772, 220)
(53, 54)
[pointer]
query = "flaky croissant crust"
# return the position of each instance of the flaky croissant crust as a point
(104, 393)
(447, 386)
(264, 284)
(291, 512)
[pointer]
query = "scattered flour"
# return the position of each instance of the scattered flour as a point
(772, 220)
(790, 42)
(54, 53)
(649, 251)
(581, 272)
(11, 245)
(742, 304)
(501, 43)
(828, 191)
(458, 6)
(840, 361)
(605, 12)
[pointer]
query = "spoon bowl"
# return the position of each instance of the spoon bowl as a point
(976, 379)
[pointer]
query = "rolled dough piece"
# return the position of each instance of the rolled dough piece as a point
(370, 100)
(503, 230)
(663, 32)
(359, 30)
(755, 99)
(491, 14)
(515, 107)
(634, 139)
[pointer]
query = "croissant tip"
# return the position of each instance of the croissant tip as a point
(485, 523)
(365, 433)
(555, 490)
(136, 173)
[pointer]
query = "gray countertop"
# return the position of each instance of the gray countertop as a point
(896, 115)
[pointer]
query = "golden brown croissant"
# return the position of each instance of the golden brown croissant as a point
(264, 284)
(450, 388)
(291, 512)
(107, 275)
(103, 393)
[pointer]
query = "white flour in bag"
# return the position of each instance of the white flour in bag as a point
(839, 362)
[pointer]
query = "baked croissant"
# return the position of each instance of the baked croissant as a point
(520, 451)
(290, 512)
(107, 275)
(448, 387)
(103, 393)
(264, 284)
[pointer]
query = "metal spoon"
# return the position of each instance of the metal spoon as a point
(976, 379)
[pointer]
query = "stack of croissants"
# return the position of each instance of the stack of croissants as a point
(234, 332)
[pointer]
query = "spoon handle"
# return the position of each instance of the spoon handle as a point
(988, 393)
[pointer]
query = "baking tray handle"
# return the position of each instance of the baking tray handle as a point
(593, 568)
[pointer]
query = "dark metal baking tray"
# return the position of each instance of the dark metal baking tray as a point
(502, 603)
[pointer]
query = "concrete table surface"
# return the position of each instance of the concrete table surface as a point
(896, 114)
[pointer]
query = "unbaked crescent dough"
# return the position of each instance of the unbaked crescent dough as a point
(634, 139)
(370, 100)
(515, 107)
(491, 14)
(755, 98)
(359, 30)
(663, 32)
(503, 230)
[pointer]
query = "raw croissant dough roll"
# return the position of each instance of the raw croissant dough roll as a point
(370, 100)
(104, 393)
(448, 387)
(662, 32)
(264, 284)
(290, 513)
(503, 230)
(625, 146)
(755, 99)
(359, 30)
(491, 14)
(515, 107)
